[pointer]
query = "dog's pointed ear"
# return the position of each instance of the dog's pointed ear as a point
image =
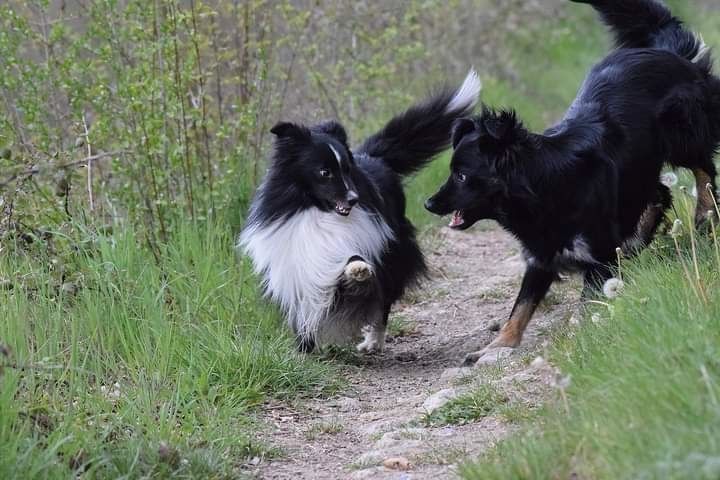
(462, 127)
(334, 129)
(501, 126)
(287, 130)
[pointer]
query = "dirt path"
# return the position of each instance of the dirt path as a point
(475, 277)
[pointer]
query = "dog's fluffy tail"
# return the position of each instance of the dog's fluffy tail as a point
(410, 140)
(650, 24)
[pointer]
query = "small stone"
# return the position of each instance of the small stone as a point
(347, 404)
(493, 356)
(405, 438)
(438, 399)
(452, 374)
(397, 463)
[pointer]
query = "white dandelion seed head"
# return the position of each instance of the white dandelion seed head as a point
(676, 229)
(596, 319)
(539, 362)
(669, 179)
(561, 382)
(613, 288)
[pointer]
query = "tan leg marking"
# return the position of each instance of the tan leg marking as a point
(705, 200)
(647, 223)
(511, 334)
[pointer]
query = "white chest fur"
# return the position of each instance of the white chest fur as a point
(301, 258)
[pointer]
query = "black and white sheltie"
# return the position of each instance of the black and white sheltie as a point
(327, 230)
(590, 184)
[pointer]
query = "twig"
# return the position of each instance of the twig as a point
(89, 164)
(37, 169)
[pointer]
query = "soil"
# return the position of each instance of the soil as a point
(379, 418)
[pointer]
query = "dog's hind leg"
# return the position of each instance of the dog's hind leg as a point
(535, 286)
(706, 190)
(649, 222)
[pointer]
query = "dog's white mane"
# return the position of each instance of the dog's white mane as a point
(301, 258)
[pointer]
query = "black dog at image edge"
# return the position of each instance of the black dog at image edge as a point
(590, 184)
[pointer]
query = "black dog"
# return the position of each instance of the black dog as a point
(327, 229)
(590, 184)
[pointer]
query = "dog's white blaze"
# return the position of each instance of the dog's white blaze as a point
(302, 258)
(337, 155)
(339, 160)
(468, 93)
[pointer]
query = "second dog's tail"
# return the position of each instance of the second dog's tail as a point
(650, 24)
(410, 140)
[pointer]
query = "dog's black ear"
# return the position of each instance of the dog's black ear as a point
(501, 126)
(462, 127)
(334, 129)
(290, 130)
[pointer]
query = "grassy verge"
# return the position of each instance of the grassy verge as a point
(645, 380)
(644, 375)
(481, 402)
(131, 366)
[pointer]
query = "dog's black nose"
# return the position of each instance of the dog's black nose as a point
(429, 204)
(352, 197)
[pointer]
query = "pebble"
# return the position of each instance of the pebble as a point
(452, 374)
(348, 404)
(438, 399)
(397, 463)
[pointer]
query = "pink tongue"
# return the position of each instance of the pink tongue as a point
(457, 219)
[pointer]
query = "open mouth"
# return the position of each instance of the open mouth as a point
(457, 220)
(342, 209)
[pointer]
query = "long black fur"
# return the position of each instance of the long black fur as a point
(590, 184)
(375, 172)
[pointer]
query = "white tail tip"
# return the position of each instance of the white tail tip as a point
(468, 94)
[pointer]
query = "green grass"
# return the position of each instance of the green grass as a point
(644, 399)
(400, 326)
(171, 351)
(481, 402)
(124, 363)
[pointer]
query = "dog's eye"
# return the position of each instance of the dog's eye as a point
(325, 173)
(461, 177)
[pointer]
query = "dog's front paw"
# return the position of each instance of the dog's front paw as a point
(490, 355)
(374, 342)
(471, 358)
(357, 271)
